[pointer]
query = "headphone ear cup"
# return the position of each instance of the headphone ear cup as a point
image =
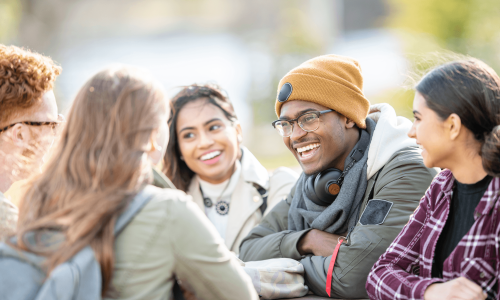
(310, 191)
(326, 187)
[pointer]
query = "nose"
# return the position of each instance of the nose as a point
(412, 134)
(205, 140)
(297, 132)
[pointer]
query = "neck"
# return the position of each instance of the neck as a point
(5, 176)
(468, 170)
(351, 141)
(10, 170)
(221, 179)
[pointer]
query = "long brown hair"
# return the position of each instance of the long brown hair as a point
(173, 166)
(470, 89)
(100, 161)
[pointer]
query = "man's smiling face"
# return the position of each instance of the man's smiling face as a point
(320, 149)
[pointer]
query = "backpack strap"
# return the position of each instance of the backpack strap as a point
(139, 201)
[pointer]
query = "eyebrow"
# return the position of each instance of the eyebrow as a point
(204, 124)
(298, 113)
(416, 112)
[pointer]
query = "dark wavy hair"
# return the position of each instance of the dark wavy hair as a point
(470, 89)
(173, 166)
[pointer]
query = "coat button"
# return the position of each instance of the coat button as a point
(481, 275)
(256, 198)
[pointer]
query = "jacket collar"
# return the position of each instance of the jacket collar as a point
(487, 202)
(245, 199)
(252, 171)
(489, 198)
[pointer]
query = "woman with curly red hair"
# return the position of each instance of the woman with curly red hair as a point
(28, 117)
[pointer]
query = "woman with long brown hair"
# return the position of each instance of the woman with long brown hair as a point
(205, 158)
(116, 129)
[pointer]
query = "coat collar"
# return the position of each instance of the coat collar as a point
(252, 171)
(487, 202)
(245, 199)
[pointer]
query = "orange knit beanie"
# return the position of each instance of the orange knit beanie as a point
(332, 81)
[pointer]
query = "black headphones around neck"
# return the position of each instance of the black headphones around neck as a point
(324, 187)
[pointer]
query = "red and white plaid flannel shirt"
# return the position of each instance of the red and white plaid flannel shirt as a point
(404, 270)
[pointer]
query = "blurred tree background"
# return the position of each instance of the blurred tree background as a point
(396, 41)
(434, 32)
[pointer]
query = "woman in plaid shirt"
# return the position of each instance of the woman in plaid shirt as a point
(450, 248)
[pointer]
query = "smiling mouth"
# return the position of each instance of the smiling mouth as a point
(308, 150)
(210, 155)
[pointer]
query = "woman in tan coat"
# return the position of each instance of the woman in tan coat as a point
(205, 158)
(116, 129)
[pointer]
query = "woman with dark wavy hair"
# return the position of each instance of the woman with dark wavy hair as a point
(206, 159)
(450, 247)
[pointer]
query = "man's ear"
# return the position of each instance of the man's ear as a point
(349, 123)
(20, 135)
(454, 125)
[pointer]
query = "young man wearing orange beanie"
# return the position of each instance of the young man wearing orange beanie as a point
(362, 179)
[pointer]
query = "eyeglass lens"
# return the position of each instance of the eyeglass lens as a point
(308, 122)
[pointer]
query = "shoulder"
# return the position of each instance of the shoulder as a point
(404, 176)
(441, 183)
(282, 181)
(284, 175)
(167, 200)
(408, 160)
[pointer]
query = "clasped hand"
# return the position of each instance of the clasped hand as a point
(459, 288)
(318, 243)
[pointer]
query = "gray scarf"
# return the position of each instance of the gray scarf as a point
(341, 215)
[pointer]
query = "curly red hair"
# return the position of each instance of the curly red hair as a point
(24, 77)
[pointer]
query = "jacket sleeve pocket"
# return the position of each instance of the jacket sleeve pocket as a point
(375, 212)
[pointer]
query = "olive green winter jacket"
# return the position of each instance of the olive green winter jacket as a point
(401, 179)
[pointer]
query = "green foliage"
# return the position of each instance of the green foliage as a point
(457, 25)
(434, 32)
(10, 14)
(294, 31)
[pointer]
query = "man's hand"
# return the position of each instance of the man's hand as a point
(318, 243)
(459, 288)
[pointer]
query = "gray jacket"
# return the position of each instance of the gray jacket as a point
(403, 181)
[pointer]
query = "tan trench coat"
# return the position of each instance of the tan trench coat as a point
(245, 213)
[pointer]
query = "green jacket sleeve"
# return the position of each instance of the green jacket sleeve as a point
(403, 181)
(271, 238)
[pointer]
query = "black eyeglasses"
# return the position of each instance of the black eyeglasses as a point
(308, 121)
(53, 124)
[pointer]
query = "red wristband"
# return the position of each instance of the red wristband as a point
(330, 267)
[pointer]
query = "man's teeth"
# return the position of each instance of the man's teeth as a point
(210, 155)
(308, 147)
